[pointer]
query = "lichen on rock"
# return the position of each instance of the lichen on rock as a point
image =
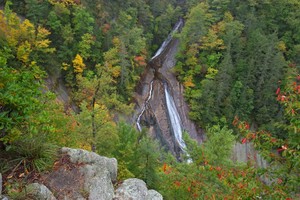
(135, 189)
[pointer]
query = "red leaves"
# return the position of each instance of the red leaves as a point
(277, 91)
(283, 147)
(244, 140)
(247, 126)
(177, 183)
(293, 112)
(282, 98)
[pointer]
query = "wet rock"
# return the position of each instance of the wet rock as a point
(135, 189)
(39, 191)
(155, 117)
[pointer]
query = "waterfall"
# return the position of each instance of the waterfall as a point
(171, 111)
(144, 108)
(158, 52)
(175, 122)
(169, 39)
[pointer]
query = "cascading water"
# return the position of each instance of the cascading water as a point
(144, 108)
(158, 53)
(169, 39)
(175, 121)
(175, 124)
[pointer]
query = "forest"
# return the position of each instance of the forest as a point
(239, 63)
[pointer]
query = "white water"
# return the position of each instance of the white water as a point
(169, 38)
(144, 108)
(175, 122)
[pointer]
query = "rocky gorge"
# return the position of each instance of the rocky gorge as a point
(151, 101)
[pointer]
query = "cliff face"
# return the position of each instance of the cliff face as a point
(155, 117)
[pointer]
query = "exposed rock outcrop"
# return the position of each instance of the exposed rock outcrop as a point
(81, 175)
(135, 189)
(39, 191)
(246, 153)
(91, 158)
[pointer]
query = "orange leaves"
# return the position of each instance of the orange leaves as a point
(241, 125)
(166, 168)
(235, 121)
(140, 60)
(188, 82)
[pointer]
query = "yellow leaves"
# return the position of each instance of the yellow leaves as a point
(24, 51)
(228, 17)
(27, 29)
(65, 66)
(116, 71)
(23, 36)
(211, 73)
(281, 46)
(78, 64)
(211, 41)
(42, 33)
(64, 2)
(43, 44)
(116, 41)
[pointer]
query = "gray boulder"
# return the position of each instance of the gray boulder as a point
(135, 189)
(97, 173)
(83, 156)
(154, 195)
(39, 191)
(97, 182)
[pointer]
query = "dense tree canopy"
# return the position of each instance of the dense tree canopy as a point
(238, 61)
